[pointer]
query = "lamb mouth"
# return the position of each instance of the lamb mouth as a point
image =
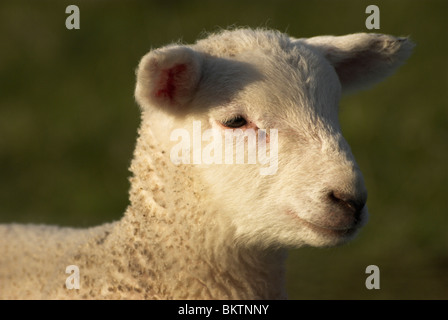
(329, 231)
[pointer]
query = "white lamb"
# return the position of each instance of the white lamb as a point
(201, 230)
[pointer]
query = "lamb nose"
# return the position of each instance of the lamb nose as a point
(350, 203)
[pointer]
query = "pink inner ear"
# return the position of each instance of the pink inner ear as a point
(169, 81)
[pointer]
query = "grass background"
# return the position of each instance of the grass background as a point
(68, 125)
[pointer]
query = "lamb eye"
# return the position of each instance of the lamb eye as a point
(235, 122)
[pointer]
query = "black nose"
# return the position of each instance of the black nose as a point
(349, 203)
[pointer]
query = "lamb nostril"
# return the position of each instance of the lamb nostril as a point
(348, 202)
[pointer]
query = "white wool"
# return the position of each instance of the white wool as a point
(219, 231)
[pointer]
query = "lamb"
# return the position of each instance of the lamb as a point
(212, 230)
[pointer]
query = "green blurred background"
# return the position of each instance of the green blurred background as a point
(68, 125)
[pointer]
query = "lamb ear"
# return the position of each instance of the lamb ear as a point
(167, 78)
(362, 59)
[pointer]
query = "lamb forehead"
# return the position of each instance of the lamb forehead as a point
(229, 43)
(292, 86)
